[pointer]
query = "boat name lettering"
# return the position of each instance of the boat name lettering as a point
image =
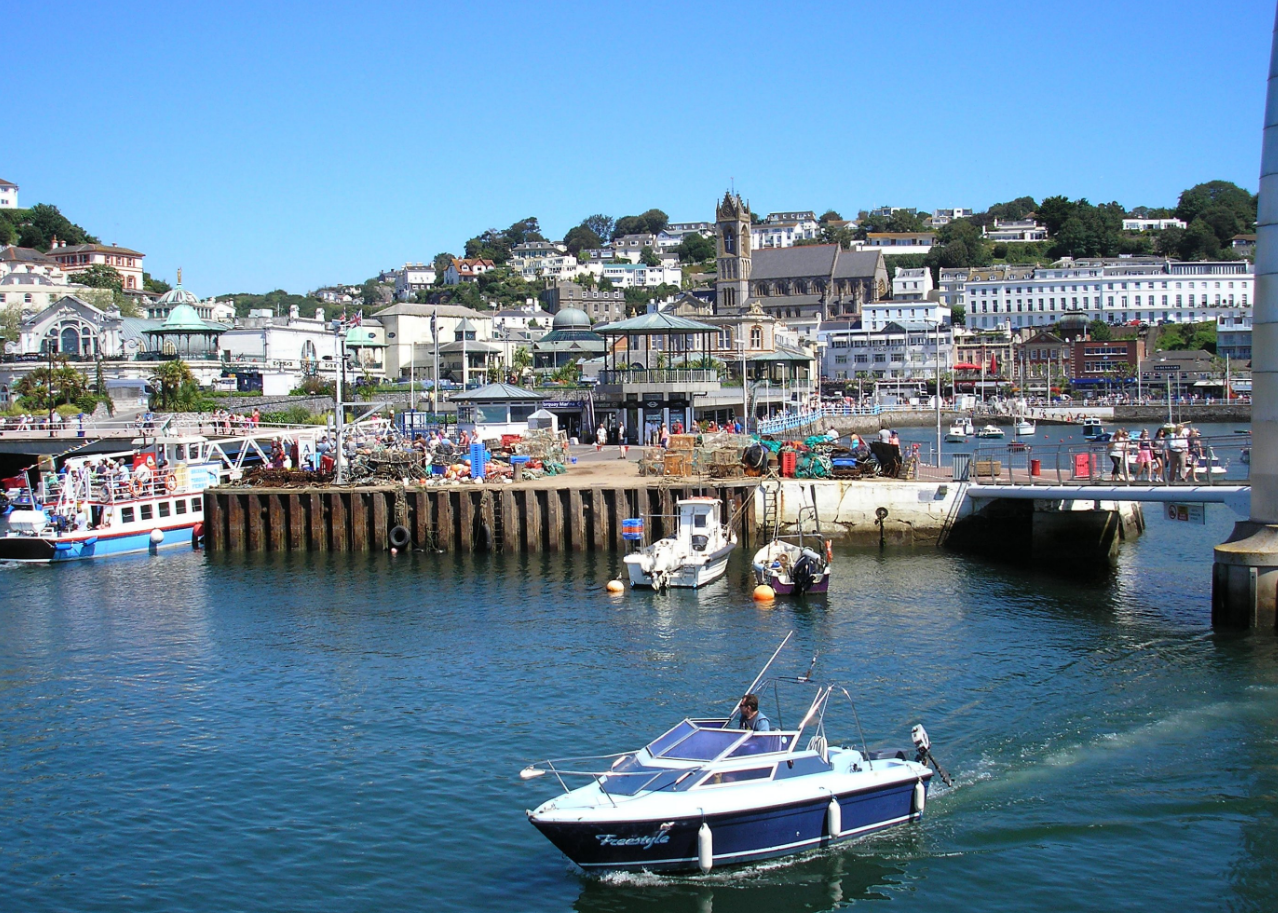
(662, 836)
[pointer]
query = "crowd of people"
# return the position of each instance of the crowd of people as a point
(1174, 453)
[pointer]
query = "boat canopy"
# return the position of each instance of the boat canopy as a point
(709, 740)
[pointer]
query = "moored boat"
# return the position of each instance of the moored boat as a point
(1025, 428)
(957, 434)
(706, 794)
(990, 431)
(695, 555)
(797, 564)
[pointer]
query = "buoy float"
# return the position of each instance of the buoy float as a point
(705, 848)
(394, 550)
(834, 818)
(764, 593)
(920, 797)
(157, 536)
(616, 586)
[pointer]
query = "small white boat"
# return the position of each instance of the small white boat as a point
(957, 434)
(1024, 427)
(695, 555)
(991, 431)
(795, 566)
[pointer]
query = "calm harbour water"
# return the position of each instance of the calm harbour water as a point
(315, 732)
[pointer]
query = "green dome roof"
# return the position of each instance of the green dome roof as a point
(176, 296)
(184, 317)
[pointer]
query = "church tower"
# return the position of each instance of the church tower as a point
(732, 289)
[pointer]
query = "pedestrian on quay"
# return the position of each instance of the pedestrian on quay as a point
(1144, 456)
(1118, 455)
(663, 436)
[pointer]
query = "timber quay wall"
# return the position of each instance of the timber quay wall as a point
(470, 518)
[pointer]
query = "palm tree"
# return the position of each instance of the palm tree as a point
(171, 377)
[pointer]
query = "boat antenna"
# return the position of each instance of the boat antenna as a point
(807, 676)
(764, 671)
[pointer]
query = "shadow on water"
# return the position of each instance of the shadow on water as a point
(824, 882)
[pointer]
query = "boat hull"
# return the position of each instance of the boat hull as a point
(784, 588)
(739, 837)
(688, 576)
(55, 550)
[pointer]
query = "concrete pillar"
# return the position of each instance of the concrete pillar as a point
(1245, 576)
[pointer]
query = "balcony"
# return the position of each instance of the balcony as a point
(666, 376)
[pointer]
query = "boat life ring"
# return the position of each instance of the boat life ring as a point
(400, 537)
(170, 483)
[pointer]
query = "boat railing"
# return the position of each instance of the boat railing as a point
(59, 488)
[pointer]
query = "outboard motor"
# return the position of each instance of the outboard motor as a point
(923, 752)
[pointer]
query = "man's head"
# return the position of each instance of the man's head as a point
(749, 706)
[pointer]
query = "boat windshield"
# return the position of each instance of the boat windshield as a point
(761, 743)
(703, 745)
(661, 743)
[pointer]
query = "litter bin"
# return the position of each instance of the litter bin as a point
(961, 466)
(1036, 467)
(1082, 465)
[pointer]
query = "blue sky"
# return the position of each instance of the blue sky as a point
(292, 145)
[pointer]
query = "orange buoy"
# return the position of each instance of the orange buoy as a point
(616, 587)
(764, 593)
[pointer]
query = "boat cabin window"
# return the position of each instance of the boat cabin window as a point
(704, 745)
(180, 452)
(126, 514)
(699, 521)
(761, 743)
(197, 505)
(144, 512)
(164, 508)
(180, 505)
(662, 742)
(724, 777)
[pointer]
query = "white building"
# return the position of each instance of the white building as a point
(1152, 224)
(900, 350)
(1116, 291)
(75, 328)
(30, 280)
(674, 233)
(410, 343)
(1233, 335)
(875, 315)
(284, 344)
(544, 260)
(912, 284)
(636, 275)
(461, 270)
(946, 216)
(8, 195)
(1021, 230)
(895, 243)
(412, 278)
(783, 229)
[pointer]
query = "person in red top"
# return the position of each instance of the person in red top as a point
(678, 427)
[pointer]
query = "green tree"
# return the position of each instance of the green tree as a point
(696, 247)
(1195, 201)
(11, 323)
(958, 315)
(830, 216)
(172, 380)
(648, 257)
(582, 237)
(441, 262)
(151, 284)
(1099, 330)
(68, 386)
(600, 224)
(99, 275)
(40, 224)
(1055, 212)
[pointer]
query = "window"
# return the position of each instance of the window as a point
(164, 508)
(197, 505)
(126, 514)
(144, 512)
(179, 506)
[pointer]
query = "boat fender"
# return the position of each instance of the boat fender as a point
(705, 848)
(400, 537)
(829, 551)
(920, 797)
(197, 533)
(157, 536)
(834, 818)
(170, 483)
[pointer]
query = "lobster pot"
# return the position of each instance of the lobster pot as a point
(632, 529)
(478, 461)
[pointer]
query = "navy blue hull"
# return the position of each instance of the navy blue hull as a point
(738, 837)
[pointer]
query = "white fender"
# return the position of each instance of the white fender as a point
(705, 848)
(834, 818)
(920, 797)
(157, 536)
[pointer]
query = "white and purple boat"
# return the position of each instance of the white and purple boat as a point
(795, 565)
(705, 794)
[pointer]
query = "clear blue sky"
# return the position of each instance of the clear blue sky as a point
(292, 145)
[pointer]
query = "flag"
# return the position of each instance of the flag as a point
(358, 319)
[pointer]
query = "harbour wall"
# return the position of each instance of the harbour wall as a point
(512, 518)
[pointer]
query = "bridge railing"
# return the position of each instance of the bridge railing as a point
(1206, 460)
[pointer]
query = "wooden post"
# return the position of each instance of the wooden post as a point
(275, 512)
(214, 522)
(619, 508)
(509, 522)
(319, 526)
(576, 521)
(598, 520)
(253, 513)
(667, 514)
(422, 518)
(234, 522)
(487, 518)
(337, 517)
(359, 521)
(380, 525)
(444, 520)
(554, 520)
(532, 521)
(465, 520)
(296, 523)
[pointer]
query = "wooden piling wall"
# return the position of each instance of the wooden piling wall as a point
(463, 518)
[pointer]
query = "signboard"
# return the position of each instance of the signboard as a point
(563, 404)
(1187, 513)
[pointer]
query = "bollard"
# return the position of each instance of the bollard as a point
(1036, 468)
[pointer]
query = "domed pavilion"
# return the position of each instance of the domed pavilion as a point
(570, 339)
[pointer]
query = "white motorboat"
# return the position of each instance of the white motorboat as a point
(695, 555)
(706, 794)
(1024, 427)
(991, 431)
(957, 434)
